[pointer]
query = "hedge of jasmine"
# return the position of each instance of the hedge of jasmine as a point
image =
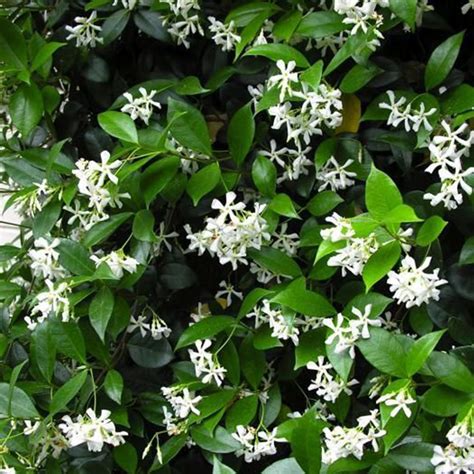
(245, 240)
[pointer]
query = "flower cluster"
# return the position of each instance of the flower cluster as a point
(412, 285)
(345, 333)
(206, 365)
(341, 442)
(183, 20)
(232, 232)
(93, 430)
(256, 443)
(447, 148)
(140, 107)
(458, 456)
(403, 112)
(183, 402)
(326, 384)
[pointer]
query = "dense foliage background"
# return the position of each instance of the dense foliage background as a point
(246, 239)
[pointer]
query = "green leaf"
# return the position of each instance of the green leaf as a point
(67, 392)
(401, 213)
(45, 220)
(358, 76)
(284, 466)
(44, 349)
(381, 194)
(13, 50)
(188, 126)
(276, 51)
(169, 450)
(148, 352)
(250, 31)
(451, 371)
(126, 456)
(240, 133)
(323, 203)
(26, 108)
(100, 310)
(405, 10)
(312, 76)
(203, 182)
(264, 175)
(442, 60)
(282, 205)
(113, 385)
(8, 290)
(75, 258)
(430, 231)
(143, 224)
(444, 401)
(467, 252)
(321, 24)
(204, 329)
(114, 25)
(390, 360)
(242, 412)
(276, 261)
(229, 359)
(252, 362)
(155, 178)
(19, 404)
(118, 125)
(100, 231)
(151, 23)
(310, 347)
(380, 263)
(44, 54)
(303, 301)
(420, 351)
(219, 442)
(286, 25)
(219, 468)
(306, 443)
(413, 456)
(69, 340)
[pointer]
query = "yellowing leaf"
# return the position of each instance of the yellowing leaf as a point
(351, 114)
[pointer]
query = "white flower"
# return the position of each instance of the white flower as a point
(224, 34)
(363, 321)
(205, 364)
(327, 385)
(255, 444)
(201, 312)
(341, 230)
(158, 328)
(118, 262)
(452, 185)
(344, 335)
(284, 80)
(139, 323)
(230, 234)
(400, 401)
(285, 241)
(341, 442)
(140, 107)
(182, 401)
(86, 31)
(45, 259)
(93, 430)
(162, 239)
(335, 176)
(413, 286)
(354, 255)
(53, 301)
(181, 29)
(227, 292)
(127, 4)
(467, 6)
